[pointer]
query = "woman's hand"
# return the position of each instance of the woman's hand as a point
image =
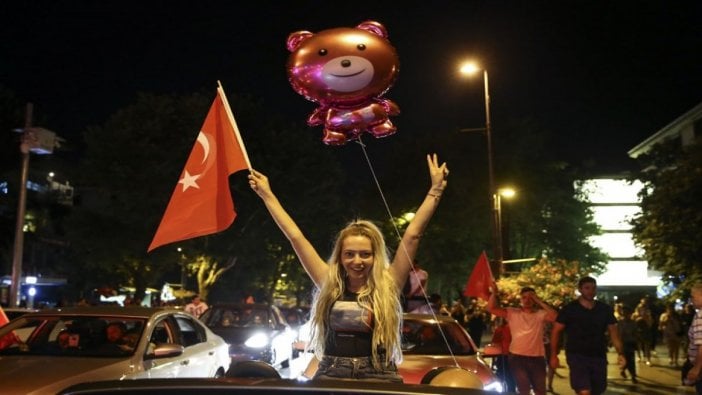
(259, 183)
(438, 174)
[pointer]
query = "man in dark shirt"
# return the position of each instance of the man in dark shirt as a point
(586, 321)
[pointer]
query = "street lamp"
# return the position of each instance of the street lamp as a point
(470, 68)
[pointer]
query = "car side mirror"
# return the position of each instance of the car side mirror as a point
(491, 350)
(165, 350)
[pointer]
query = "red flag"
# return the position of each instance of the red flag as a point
(10, 338)
(480, 279)
(202, 202)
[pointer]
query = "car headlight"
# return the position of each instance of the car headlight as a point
(495, 386)
(258, 340)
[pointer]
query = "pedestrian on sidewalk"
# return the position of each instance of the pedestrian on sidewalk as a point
(585, 321)
(670, 326)
(526, 351)
(692, 370)
(627, 332)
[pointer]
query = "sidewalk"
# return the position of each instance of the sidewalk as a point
(657, 379)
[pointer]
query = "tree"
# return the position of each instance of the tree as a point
(669, 227)
(555, 282)
(131, 166)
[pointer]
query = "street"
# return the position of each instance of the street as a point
(657, 379)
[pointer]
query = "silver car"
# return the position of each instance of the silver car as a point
(47, 351)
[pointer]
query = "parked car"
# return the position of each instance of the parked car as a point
(424, 350)
(254, 332)
(53, 349)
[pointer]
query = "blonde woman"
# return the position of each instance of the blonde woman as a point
(357, 314)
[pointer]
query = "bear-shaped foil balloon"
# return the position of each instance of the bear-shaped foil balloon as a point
(346, 71)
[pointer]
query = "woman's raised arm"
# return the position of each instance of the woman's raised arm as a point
(314, 265)
(402, 262)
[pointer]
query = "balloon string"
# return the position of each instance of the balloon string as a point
(404, 249)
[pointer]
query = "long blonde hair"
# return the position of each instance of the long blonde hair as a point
(379, 296)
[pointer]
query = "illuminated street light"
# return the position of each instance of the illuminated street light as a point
(470, 68)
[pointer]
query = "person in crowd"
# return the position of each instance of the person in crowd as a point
(526, 351)
(416, 287)
(196, 307)
(686, 317)
(644, 325)
(357, 312)
(550, 372)
(475, 324)
(115, 339)
(435, 306)
(670, 326)
(692, 370)
(585, 321)
(502, 337)
(627, 333)
(458, 312)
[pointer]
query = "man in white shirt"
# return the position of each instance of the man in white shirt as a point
(526, 358)
(196, 307)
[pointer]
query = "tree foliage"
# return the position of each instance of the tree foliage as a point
(555, 282)
(669, 227)
(131, 166)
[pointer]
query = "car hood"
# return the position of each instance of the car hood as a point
(43, 375)
(414, 367)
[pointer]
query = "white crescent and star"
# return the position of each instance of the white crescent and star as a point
(190, 180)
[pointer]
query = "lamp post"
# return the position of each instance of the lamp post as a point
(507, 193)
(468, 69)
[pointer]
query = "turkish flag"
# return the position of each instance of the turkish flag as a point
(202, 202)
(10, 338)
(480, 279)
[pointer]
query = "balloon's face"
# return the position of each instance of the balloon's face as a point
(342, 66)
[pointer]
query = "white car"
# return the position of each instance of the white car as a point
(47, 351)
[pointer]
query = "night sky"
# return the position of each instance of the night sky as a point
(603, 75)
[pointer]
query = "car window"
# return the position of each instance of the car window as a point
(191, 333)
(71, 336)
(420, 337)
(237, 316)
(162, 333)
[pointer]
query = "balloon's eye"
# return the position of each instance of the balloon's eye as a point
(322, 52)
(361, 47)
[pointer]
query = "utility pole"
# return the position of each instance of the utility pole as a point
(17, 255)
(42, 142)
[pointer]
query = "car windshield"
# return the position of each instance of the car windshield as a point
(237, 317)
(91, 336)
(423, 337)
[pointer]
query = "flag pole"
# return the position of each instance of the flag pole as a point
(220, 89)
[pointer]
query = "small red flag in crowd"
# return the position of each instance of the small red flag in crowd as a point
(480, 279)
(202, 203)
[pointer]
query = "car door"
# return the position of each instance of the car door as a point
(164, 331)
(199, 354)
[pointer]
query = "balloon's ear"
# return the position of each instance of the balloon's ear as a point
(296, 38)
(374, 27)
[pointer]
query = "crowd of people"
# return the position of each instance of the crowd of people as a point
(532, 335)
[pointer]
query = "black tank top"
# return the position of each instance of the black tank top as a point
(350, 328)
